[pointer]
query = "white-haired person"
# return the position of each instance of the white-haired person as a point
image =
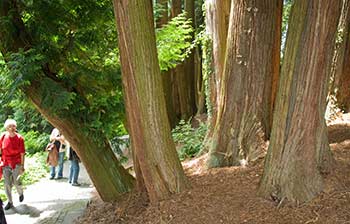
(61, 145)
(12, 156)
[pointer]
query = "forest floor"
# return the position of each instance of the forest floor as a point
(229, 195)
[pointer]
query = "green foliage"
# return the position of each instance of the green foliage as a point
(287, 6)
(5, 82)
(9, 85)
(75, 43)
(24, 66)
(205, 42)
(158, 10)
(119, 145)
(189, 139)
(174, 41)
(339, 38)
(36, 169)
(13, 103)
(35, 142)
(285, 16)
(28, 119)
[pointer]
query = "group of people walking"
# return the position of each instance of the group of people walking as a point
(12, 161)
(62, 147)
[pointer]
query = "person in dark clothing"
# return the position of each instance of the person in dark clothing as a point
(2, 214)
(74, 167)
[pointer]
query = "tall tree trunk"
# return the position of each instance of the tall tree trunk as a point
(271, 92)
(187, 92)
(246, 83)
(299, 147)
(199, 82)
(342, 60)
(108, 176)
(164, 15)
(166, 75)
(183, 83)
(217, 22)
(176, 9)
(110, 179)
(145, 104)
(168, 94)
(198, 75)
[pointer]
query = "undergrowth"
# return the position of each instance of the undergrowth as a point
(189, 140)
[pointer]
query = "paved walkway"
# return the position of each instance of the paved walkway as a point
(52, 201)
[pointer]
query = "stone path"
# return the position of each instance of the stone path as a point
(52, 201)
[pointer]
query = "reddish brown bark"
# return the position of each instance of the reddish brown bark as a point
(217, 21)
(200, 92)
(166, 75)
(187, 90)
(245, 95)
(299, 148)
(175, 11)
(183, 75)
(164, 16)
(342, 68)
(184, 96)
(271, 92)
(160, 167)
(175, 8)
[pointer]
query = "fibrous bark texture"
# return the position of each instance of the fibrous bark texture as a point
(245, 92)
(299, 147)
(160, 167)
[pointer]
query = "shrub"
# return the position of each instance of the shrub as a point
(35, 142)
(36, 168)
(188, 139)
(119, 146)
(174, 41)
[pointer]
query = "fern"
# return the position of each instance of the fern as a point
(174, 41)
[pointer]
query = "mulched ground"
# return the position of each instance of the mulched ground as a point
(229, 195)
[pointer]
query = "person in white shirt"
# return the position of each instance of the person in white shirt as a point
(61, 144)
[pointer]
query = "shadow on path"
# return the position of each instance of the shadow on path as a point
(52, 201)
(24, 209)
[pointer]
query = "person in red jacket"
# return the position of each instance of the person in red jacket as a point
(12, 158)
